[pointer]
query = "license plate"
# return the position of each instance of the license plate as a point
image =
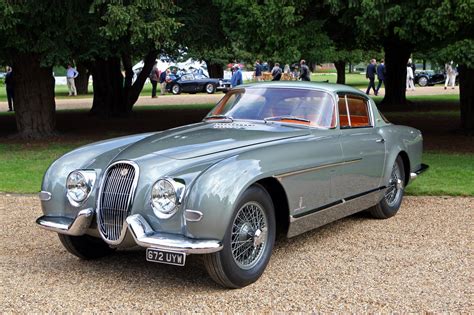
(165, 257)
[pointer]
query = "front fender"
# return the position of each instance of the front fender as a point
(216, 192)
(93, 156)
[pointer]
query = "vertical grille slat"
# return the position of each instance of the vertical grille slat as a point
(115, 198)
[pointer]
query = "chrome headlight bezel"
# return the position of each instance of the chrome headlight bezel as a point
(175, 197)
(86, 182)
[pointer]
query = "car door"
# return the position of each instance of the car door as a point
(317, 158)
(188, 83)
(363, 148)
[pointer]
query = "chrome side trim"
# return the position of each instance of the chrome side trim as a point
(312, 169)
(145, 236)
(333, 212)
(65, 225)
(44, 195)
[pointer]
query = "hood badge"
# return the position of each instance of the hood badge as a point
(124, 172)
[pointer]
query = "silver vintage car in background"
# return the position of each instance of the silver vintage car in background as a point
(270, 157)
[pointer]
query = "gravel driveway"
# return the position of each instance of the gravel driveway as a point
(420, 260)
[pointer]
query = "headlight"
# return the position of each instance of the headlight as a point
(79, 185)
(166, 195)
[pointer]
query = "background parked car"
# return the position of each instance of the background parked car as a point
(430, 77)
(196, 82)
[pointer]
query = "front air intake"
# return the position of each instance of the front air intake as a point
(115, 197)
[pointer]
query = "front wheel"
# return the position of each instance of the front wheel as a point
(85, 246)
(248, 241)
(390, 203)
(423, 81)
(176, 89)
(210, 88)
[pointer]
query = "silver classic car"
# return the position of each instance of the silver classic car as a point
(281, 157)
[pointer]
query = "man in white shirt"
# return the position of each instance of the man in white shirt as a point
(71, 74)
(450, 75)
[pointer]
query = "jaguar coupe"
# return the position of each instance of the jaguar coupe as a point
(196, 82)
(270, 159)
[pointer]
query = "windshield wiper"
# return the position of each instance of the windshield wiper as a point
(223, 117)
(289, 117)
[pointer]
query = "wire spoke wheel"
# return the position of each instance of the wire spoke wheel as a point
(249, 235)
(395, 189)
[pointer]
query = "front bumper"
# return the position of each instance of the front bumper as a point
(139, 228)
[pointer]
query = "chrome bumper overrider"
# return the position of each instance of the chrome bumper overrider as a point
(64, 225)
(146, 237)
(422, 169)
(141, 231)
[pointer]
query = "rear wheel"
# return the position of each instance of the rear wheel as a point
(85, 246)
(389, 205)
(248, 242)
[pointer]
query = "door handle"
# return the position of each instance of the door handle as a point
(380, 140)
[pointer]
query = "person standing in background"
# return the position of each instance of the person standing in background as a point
(236, 76)
(154, 78)
(304, 73)
(276, 72)
(258, 70)
(370, 74)
(380, 75)
(450, 75)
(71, 74)
(410, 77)
(163, 82)
(10, 88)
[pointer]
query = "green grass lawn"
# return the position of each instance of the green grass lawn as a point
(22, 168)
(449, 174)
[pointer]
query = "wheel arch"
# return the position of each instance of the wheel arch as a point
(406, 165)
(280, 202)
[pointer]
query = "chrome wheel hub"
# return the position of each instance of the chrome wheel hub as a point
(249, 235)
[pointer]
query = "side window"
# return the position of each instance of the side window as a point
(353, 112)
(343, 117)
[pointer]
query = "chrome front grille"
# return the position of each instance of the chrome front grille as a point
(115, 197)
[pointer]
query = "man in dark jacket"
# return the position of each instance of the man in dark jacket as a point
(10, 88)
(370, 74)
(380, 75)
(304, 75)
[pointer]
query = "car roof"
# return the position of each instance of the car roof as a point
(328, 87)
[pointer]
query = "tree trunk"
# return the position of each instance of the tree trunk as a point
(34, 97)
(396, 58)
(424, 64)
(466, 91)
(82, 81)
(341, 71)
(108, 88)
(114, 95)
(133, 92)
(215, 70)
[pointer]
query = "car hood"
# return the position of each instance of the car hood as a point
(208, 138)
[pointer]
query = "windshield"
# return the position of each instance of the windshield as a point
(289, 105)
